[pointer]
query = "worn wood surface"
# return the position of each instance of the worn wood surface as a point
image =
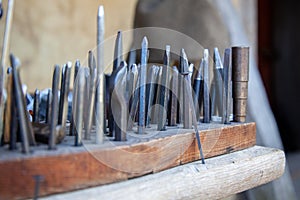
(70, 168)
(220, 177)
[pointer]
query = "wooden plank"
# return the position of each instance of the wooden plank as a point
(70, 168)
(220, 177)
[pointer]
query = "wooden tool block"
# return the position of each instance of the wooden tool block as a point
(71, 168)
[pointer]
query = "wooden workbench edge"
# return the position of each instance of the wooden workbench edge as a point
(222, 176)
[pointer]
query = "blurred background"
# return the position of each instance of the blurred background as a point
(51, 32)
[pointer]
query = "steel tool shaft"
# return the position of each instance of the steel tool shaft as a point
(13, 121)
(198, 89)
(63, 103)
(206, 100)
(54, 109)
(193, 114)
(142, 89)
(79, 104)
(36, 103)
(227, 89)
(164, 89)
(118, 57)
(100, 103)
(76, 68)
(118, 101)
(172, 109)
(92, 95)
(217, 95)
(187, 118)
(20, 103)
(8, 107)
(240, 77)
(150, 91)
(4, 57)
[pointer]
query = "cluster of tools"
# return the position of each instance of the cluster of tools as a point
(137, 95)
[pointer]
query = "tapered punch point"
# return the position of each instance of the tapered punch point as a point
(100, 90)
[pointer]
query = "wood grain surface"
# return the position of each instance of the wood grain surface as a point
(220, 177)
(71, 168)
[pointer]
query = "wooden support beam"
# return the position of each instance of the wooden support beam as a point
(70, 168)
(220, 177)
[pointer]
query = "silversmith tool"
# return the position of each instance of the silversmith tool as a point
(217, 95)
(240, 77)
(78, 122)
(173, 101)
(118, 53)
(198, 89)
(36, 103)
(163, 97)
(187, 118)
(92, 95)
(100, 91)
(118, 101)
(54, 109)
(135, 98)
(8, 106)
(150, 91)
(20, 103)
(48, 109)
(227, 89)
(72, 128)
(63, 103)
(13, 121)
(188, 90)
(4, 57)
(131, 57)
(118, 57)
(142, 89)
(132, 76)
(155, 110)
(206, 100)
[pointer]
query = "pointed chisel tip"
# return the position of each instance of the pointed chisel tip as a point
(145, 42)
(69, 64)
(206, 54)
(101, 11)
(168, 47)
(217, 59)
(183, 55)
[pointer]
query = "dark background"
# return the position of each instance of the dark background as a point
(279, 58)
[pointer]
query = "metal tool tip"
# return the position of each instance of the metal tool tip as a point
(206, 53)
(15, 62)
(123, 63)
(77, 63)
(145, 41)
(69, 64)
(183, 54)
(168, 47)
(101, 11)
